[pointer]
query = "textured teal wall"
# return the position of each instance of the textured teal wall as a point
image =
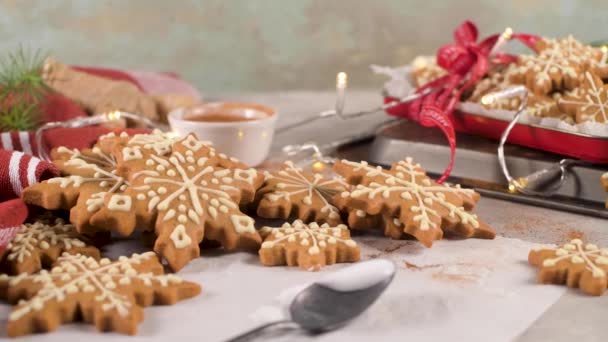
(249, 45)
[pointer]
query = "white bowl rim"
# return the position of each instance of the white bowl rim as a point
(177, 113)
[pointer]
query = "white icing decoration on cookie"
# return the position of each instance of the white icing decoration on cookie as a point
(405, 182)
(131, 153)
(292, 181)
(179, 237)
(192, 143)
(305, 235)
(243, 224)
(103, 168)
(593, 104)
(194, 192)
(589, 254)
(78, 273)
(157, 141)
(120, 203)
(31, 236)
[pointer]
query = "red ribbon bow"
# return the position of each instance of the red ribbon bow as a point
(466, 62)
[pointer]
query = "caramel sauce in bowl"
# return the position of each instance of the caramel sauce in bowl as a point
(240, 130)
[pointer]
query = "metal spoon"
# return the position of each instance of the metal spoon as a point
(334, 300)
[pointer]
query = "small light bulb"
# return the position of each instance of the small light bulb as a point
(341, 80)
(604, 49)
(508, 33)
(115, 115)
(419, 63)
(240, 134)
(512, 188)
(318, 166)
(488, 99)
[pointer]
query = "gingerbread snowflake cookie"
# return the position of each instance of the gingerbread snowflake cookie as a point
(575, 264)
(558, 65)
(90, 176)
(390, 226)
(310, 246)
(589, 102)
(109, 294)
(424, 208)
(184, 196)
(39, 244)
(292, 192)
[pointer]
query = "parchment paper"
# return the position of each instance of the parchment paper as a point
(468, 290)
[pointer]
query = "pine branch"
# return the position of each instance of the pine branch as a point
(19, 117)
(21, 73)
(22, 89)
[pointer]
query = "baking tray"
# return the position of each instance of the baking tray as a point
(476, 166)
(571, 144)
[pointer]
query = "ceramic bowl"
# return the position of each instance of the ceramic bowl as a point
(247, 140)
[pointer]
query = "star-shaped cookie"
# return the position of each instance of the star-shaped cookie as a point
(40, 244)
(184, 196)
(425, 208)
(558, 65)
(589, 102)
(293, 192)
(390, 226)
(89, 176)
(108, 294)
(310, 246)
(575, 264)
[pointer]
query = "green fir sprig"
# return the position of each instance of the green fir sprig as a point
(22, 89)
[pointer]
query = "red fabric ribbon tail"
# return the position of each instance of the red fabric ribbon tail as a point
(466, 61)
(530, 40)
(432, 115)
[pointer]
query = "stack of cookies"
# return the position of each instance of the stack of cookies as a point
(53, 274)
(565, 79)
(181, 189)
(183, 192)
(403, 202)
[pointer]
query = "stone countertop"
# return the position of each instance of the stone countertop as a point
(573, 317)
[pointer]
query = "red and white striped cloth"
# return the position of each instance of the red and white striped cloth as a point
(19, 141)
(18, 170)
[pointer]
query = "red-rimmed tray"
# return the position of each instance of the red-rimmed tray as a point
(578, 145)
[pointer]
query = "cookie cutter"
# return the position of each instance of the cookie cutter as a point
(544, 182)
(87, 121)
